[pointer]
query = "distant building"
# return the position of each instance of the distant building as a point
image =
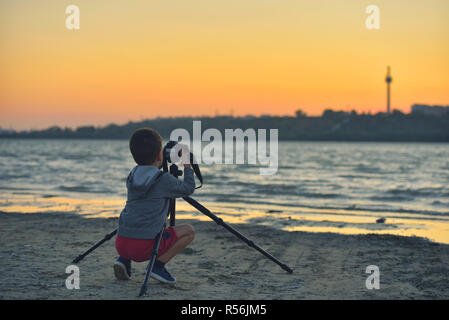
(431, 110)
(388, 80)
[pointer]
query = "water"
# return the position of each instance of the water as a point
(319, 186)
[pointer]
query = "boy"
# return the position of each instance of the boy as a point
(149, 192)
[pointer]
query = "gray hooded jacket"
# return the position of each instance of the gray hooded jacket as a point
(149, 192)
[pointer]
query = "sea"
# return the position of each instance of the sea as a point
(338, 187)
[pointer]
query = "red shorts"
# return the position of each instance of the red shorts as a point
(139, 250)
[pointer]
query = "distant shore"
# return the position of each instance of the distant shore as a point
(37, 248)
(331, 126)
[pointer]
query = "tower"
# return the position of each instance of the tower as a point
(388, 80)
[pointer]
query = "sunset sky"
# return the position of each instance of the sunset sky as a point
(133, 60)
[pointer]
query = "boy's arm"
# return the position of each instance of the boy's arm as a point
(175, 188)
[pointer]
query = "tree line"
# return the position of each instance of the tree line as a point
(330, 126)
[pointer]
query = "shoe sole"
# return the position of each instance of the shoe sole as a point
(120, 271)
(158, 277)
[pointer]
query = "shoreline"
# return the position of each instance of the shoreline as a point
(37, 248)
(349, 221)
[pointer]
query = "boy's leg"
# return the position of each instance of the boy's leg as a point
(186, 234)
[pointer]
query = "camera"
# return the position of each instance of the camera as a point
(166, 158)
(167, 151)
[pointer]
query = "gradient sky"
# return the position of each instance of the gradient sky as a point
(132, 59)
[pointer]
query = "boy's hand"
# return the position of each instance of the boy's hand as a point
(185, 156)
(181, 152)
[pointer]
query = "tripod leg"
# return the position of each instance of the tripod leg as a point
(250, 243)
(172, 212)
(106, 238)
(143, 289)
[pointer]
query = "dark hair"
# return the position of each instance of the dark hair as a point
(145, 144)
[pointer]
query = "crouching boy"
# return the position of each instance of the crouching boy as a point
(146, 209)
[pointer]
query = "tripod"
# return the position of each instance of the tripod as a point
(172, 212)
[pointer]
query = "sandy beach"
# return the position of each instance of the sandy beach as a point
(37, 248)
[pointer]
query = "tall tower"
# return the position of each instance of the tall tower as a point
(388, 80)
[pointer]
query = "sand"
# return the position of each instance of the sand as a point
(36, 249)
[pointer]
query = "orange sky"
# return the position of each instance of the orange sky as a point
(132, 60)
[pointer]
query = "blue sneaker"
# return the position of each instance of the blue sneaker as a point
(122, 268)
(162, 275)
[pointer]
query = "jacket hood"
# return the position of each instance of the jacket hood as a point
(141, 179)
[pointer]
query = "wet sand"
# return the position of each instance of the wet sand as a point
(36, 249)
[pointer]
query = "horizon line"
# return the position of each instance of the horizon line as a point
(305, 115)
